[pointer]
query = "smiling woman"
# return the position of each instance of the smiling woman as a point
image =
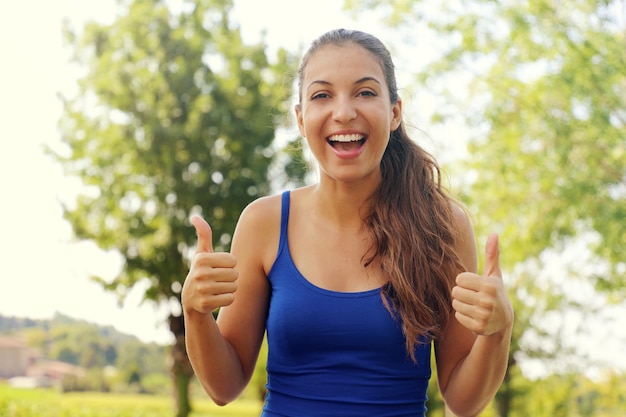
(352, 277)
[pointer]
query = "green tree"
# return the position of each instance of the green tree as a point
(541, 87)
(140, 357)
(175, 116)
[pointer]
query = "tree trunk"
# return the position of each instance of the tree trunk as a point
(180, 367)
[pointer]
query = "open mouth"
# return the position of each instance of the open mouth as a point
(346, 142)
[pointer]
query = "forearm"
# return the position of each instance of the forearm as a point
(477, 378)
(214, 360)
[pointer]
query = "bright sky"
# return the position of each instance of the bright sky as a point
(43, 271)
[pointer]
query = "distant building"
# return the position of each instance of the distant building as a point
(22, 367)
(56, 371)
(14, 357)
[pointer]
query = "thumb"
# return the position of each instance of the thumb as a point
(205, 236)
(492, 257)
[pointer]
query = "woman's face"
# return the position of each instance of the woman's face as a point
(345, 112)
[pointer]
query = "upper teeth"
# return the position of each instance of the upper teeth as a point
(346, 138)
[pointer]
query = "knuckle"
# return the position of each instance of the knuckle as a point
(229, 298)
(488, 306)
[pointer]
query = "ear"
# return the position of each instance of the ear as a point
(396, 115)
(300, 120)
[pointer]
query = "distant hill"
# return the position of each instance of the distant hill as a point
(85, 344)
(12, 325)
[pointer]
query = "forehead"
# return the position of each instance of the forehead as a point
(350, 59)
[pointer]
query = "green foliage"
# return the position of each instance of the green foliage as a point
(175, 116)
(156, 383)
(572, 395)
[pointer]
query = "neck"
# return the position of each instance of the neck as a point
(344, 204)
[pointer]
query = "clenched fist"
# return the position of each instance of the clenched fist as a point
(212, 279)
(480, 301)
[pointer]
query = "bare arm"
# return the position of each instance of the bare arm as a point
(223, 353)
(473, 353)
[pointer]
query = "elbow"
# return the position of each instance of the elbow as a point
(219, 398)
(220, 401)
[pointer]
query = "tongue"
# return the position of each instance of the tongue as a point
(347, 150)
(346, 146)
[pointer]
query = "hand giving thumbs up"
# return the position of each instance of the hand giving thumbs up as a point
(480, 301)
(212, 278)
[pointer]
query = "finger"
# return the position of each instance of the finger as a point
(205, 236)
(224, 300)
(217, 288)
(216, 261)
(470, 281)
(467, 321)
(210, 304)
(465, 295)
(492, 257)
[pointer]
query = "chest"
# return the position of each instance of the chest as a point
(334, 260)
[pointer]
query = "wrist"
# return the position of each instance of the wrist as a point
(191, 314)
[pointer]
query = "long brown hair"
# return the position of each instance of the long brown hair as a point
(411, 221)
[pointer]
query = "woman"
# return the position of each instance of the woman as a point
(354, 276)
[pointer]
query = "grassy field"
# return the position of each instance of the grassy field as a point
(51, 403)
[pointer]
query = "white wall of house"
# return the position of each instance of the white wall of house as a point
(13, 357)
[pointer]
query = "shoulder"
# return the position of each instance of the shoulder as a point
(262, 210)
(257, 234)
(269, 208)
(260, 218)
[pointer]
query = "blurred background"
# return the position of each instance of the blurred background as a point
(120, 119)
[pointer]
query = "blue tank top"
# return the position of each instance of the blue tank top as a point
(336, 354)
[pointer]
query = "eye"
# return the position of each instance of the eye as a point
(367, 93)
(319, 95)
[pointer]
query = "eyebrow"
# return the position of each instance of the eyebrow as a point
(359, 81)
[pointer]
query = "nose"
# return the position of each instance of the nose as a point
(344, 110)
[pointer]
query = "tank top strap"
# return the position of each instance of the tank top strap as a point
(284, 219)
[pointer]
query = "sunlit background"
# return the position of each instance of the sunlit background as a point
(43, 270)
